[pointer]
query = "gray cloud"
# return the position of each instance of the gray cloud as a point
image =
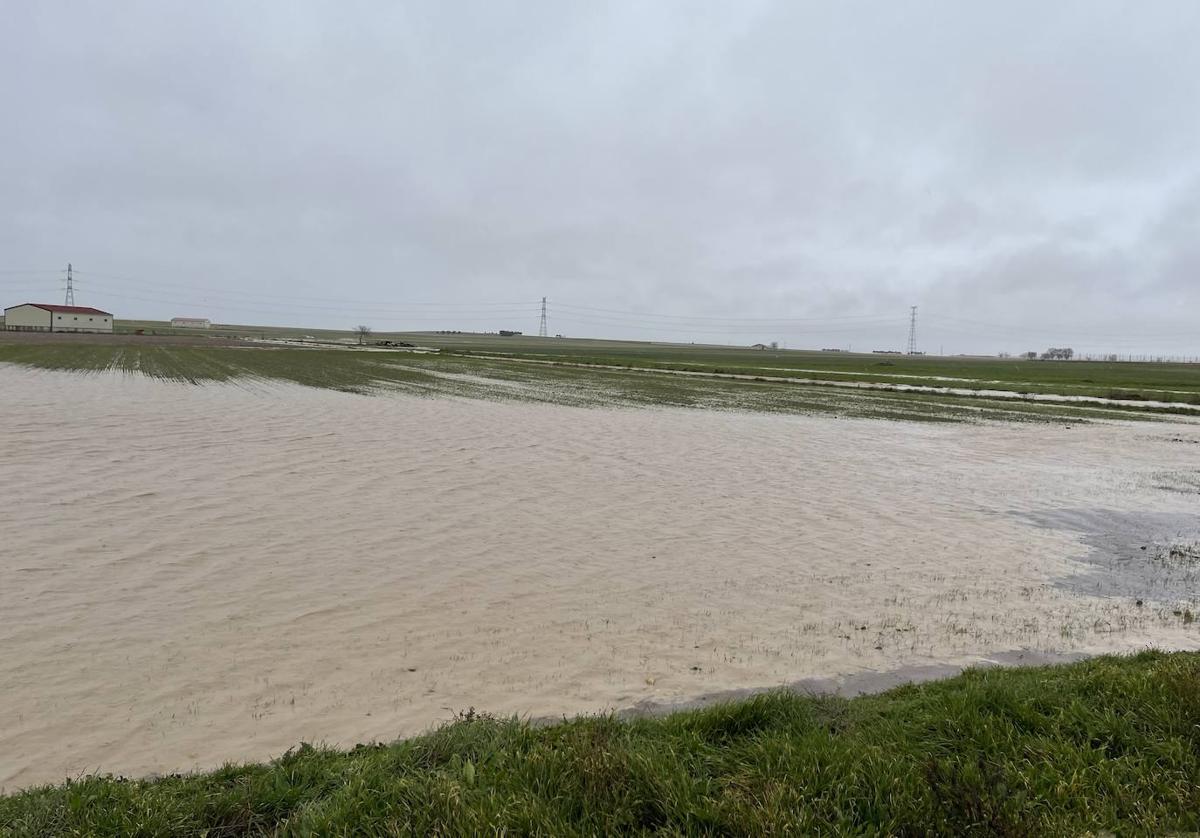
(1026, 173)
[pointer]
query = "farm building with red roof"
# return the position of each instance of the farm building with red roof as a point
(45, 317)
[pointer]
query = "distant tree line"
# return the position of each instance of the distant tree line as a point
(1111, 357)
(1054, 353)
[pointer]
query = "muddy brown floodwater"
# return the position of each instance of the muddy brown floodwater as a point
(190, 575)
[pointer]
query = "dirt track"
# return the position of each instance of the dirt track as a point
(34, 338)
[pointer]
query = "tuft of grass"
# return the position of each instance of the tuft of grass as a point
(1110, 744)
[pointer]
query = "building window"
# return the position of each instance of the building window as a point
(76, 318)
(90, 319)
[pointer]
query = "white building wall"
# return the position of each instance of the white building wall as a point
(64, 322)
(26, 317)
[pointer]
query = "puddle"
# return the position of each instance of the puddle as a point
(1130, 553)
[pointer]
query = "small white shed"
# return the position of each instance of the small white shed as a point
(45, 317)
(190, 323)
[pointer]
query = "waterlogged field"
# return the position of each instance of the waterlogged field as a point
(584, 380)
(1170, 382)
(1150, 381)
(197, 574)
(1177, 382)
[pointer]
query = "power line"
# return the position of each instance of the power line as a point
(651, 315)
(712, 328)
(523, 304)
(356, 309)
(1052, 332)
(471, 311)
(388, 315)
(244, 303)
(372, 311)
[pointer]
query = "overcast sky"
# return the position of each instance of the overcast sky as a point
(1027, 174)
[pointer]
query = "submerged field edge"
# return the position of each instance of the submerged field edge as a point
(1043, 396)
(489, 377)
(850, 685)
(1107, 743)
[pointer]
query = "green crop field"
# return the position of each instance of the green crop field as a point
(1173, 382)
(1120, 380)
(1107, 746)
(487, 375)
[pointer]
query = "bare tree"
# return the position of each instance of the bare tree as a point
(363, 333)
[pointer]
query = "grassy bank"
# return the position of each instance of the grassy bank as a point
(489, 377)
(1107, 744)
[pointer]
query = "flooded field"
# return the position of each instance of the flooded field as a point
(195, 574)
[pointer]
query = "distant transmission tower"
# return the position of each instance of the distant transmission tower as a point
(70, 287)
(542, 328)
(912, 332)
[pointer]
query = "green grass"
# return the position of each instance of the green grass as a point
(1110, 744)
(498, 378)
